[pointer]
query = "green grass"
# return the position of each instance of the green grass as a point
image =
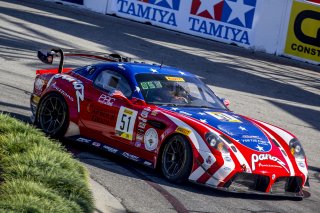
(37, 174)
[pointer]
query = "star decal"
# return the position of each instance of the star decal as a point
(260, 148)
(153, 70)
(169, 2)
(182, 73)
(239, 10)
(242, 128)
(137, 89)
(203, 121)
(201, 113)
(207, 5)
(174, 108)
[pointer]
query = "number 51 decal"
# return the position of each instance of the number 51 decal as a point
(125, 123)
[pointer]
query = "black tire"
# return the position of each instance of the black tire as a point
(176, 159)
(52, 116)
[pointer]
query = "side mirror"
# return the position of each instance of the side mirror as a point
(225, 101)
(45, 57)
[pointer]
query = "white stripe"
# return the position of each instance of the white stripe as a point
(222, 173)
(196, 174)
(284, 135)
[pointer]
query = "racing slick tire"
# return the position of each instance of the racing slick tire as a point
(176, 159)
(52, 116)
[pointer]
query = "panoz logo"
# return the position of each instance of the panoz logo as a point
(169, 4)
(303, 38)
(220, 16)
(160, 11)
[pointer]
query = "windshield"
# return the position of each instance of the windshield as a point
(170, 90)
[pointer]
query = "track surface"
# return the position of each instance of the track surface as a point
(276, 90)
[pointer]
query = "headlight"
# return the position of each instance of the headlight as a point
(216, 142)
(296, 149)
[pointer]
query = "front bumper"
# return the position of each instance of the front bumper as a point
(260, 184)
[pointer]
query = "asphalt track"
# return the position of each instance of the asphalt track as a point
(276, 90)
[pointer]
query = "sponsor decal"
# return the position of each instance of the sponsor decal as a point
(137, 144)
(227, 158)
(151, 85)
(130, 156)
(125, 123)
(183, 130)
(154, 113)
(106, 100)
(77, 85)
(102, 116)
(229, 20)
(303, 38)
(139, 136)
(264, 157)
(96, 144)
(178, 79)
(151, 139)
(147, 163)
(161, 11)
(209, 160)
(83, 140)
(54, 86)
(110, 149)
(224, 117)
(35, 99)
(256, 143)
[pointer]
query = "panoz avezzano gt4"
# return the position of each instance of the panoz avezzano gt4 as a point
(165, 117)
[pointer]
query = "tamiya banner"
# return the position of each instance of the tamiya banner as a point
(303, 37)
(229, 21)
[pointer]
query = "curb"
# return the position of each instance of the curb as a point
(104, 201)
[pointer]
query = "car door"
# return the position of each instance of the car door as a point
(109, 116)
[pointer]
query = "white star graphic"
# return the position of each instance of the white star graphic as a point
(260, 148)
(201, 113)
(138, 89)
(153, 70)
(238, 11)
(170, 2)
(242, 128)
(120, 64)
(174, 108)
(182, 73)
(203, 120)
(207, 5)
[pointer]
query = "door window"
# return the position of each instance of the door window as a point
(110, 81)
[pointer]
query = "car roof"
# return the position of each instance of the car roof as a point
(132, 69)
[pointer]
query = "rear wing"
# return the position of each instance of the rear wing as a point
(48, 56)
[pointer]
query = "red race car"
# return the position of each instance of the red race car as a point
(166, 117)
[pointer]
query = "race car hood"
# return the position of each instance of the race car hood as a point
(260, 153)
(233, 125)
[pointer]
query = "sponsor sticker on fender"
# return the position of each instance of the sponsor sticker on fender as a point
(303, 39)
(183, 130)
(151, 139)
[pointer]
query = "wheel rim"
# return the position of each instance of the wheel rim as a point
(174, 157)
(52, 115)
